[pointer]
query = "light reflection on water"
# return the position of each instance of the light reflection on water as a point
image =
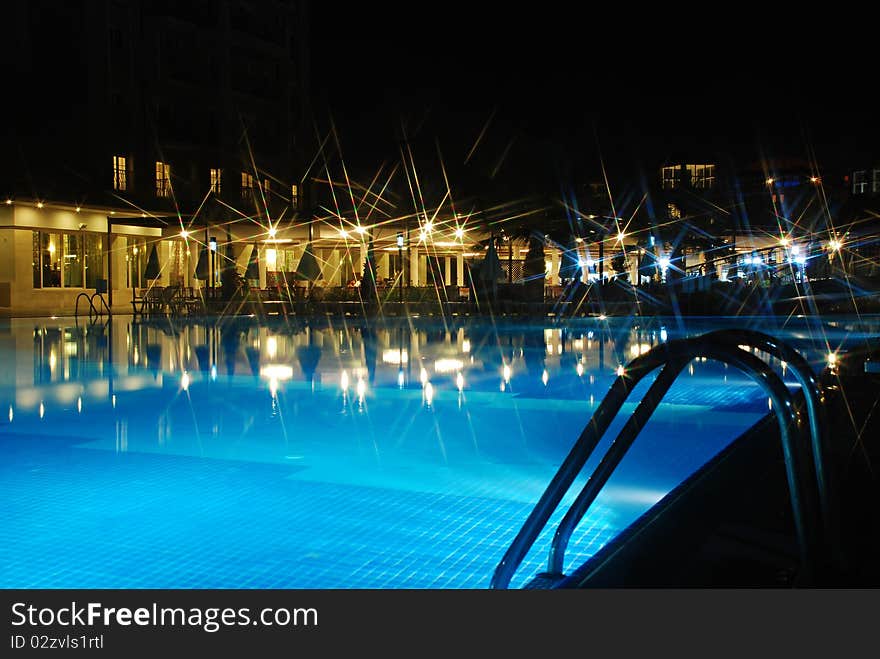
(463, 409)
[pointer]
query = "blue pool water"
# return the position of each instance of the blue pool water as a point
(325, 454)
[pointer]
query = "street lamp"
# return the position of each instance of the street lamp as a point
(212, 242)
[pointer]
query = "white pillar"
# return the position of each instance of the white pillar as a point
(553, 276)
(447, 274)
(459, 269)
(383, 268)
(414, 266)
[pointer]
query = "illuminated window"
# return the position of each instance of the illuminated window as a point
(702, 176)
(860, 182)
(120, 177)
(247, 185)
(163, 179)
(47, 259)
(72, 260)
(216, 175)
(294, 197)
(673, 211)
(671, 177)
(267, 186)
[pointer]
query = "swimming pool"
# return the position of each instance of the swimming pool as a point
(237, 453)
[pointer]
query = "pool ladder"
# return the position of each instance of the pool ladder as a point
(95, 310)
(806, 473)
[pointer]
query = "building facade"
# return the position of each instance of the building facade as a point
(135, 121)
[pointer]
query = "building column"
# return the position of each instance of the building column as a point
(459, 269)
(333, 268)
(447, 270)
(117, 251)
(414, 266)
(553, 276)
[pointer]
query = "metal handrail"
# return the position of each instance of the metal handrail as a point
(98, 309)
(94, 312)
(812, 391)
(91, 305)
(802, 372)
(673, 356)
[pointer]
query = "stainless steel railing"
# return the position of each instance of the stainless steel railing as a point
(807, 479)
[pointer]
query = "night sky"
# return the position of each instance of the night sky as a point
(558, 84)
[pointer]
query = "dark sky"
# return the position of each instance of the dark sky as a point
(644, 87)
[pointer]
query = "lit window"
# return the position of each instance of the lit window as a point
(702, 176)
(294, 197)
(47, 259)
(247, 185)
(163, 179)
(120, 178)
(216, 175)
(860, 182)
(267, 186)
(671, 177)
(72, 260)
(673, 211)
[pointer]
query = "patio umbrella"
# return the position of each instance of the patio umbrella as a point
(152, 269)
(490, 268)
(308, 269)
(570, 268)
(202, 265)
(368, 280)
(253, 266)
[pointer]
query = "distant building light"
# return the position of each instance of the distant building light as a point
(783, 241)
(400, 240)
(361, 230)
(272, 232)
(429, 226)
(78, 209)
(663, 261)
(814, 179)
(39, 204)
(459, 233)
(769, 181)
(834, 245)
(9, 202)
(343, 233)
(184, 234)
(621, 236)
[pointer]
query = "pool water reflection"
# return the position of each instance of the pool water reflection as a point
(328, 454)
